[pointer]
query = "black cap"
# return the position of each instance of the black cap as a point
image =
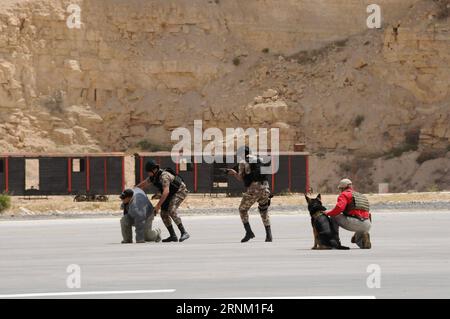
(151, 165)
(126, 194)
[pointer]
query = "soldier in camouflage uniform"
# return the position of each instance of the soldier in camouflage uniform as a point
(173, 192)
(257, 191)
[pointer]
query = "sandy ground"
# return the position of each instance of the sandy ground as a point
(205, 204)
(411, 249)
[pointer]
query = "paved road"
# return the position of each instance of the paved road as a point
(412, 250)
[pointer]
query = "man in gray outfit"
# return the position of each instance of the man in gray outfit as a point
(137, 212)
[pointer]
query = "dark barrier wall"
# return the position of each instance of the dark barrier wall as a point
(94, 175)
(78, 179)
(16, 176)
(98, 175)
(105, 175)
(291, 177)
(281, 180)
(205, 173)
(2, 175)
(188, 175)
(53, 176)
(299, 176)
(115, 182)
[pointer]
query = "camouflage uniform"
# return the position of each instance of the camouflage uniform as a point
(257, 192)
(169, 210)
(163, 180)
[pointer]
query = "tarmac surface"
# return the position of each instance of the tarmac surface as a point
(411, 254)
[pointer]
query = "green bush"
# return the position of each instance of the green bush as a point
(236, 61)
(149, 146)
(358, 120)
(411, 143)
(5, 202)
(399, 150)
(433, 188)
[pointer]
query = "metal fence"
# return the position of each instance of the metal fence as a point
(62, 174)
(104, 173)
(292, 175)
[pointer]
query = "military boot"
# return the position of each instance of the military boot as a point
(184, 233)
(365, 241)
(173, 237)
(268, 234)
(248, 233)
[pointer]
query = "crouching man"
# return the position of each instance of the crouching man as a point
(137, 212)
(352, 214)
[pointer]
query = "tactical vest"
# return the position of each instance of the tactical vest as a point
(174, 185)
(255, 174)
(359, 202)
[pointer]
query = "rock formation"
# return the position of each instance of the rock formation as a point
(362, 100)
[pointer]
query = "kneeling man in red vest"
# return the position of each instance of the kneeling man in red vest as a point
(352, 212)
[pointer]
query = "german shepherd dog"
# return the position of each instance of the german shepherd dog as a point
(325, 236)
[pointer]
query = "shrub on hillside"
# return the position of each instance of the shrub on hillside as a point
(359, 120)
(411, 143)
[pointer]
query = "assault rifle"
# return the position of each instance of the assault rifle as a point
(225, 171)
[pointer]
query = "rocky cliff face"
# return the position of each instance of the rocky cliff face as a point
(137, 69)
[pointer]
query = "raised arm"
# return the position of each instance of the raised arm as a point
(340, 206)
(165, 193)
(235, 174)
(144, 184)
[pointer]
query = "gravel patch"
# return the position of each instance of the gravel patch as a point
(276, 209)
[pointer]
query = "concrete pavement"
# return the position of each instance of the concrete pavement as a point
(412, 250)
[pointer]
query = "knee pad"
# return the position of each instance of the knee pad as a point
(243, 209)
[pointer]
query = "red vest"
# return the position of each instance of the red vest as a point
(345, 203)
